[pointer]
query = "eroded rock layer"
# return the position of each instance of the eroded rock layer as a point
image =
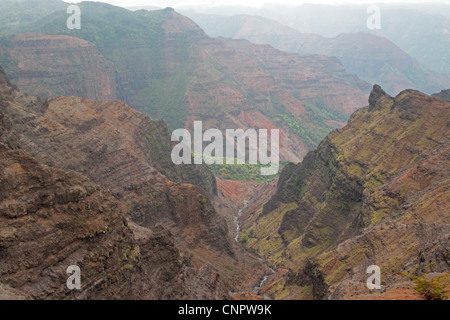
(79, 186)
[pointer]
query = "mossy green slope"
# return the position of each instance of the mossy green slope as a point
(374, 192)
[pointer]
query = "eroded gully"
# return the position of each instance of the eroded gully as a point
(236, 218)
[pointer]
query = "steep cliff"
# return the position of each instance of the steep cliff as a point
(114, 145)
(52, 219)
(51, 65)
(375, 192)
(80, 185)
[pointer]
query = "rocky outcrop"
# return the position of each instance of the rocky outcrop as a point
(309, 276)
(374, 192)
(81, 187)
(52, 219)
(115, 146)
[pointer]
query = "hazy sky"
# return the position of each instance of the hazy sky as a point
(250, 3)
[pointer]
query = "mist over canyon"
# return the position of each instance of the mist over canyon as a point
(357, 120)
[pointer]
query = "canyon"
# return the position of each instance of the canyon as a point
(104, 206)
(165, 66)
(80, 184)
(373, 193)
(87, 176)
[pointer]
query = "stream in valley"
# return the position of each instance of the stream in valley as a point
(236, 218)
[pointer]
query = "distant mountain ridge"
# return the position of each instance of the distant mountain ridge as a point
(421, 30)
(373, 58)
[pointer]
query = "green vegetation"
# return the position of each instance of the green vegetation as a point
(431, 289)
(244, 236)
(104, 25)
(130, 257)
(243, 172)
(313, 128)
(16, 14)
(163, 99)
(264, 237)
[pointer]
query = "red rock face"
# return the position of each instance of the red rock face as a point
(51, 219)
(263, 84)
(52, 65)
(114, 214)
(308, 77)
(236, 84)
(113, 145)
